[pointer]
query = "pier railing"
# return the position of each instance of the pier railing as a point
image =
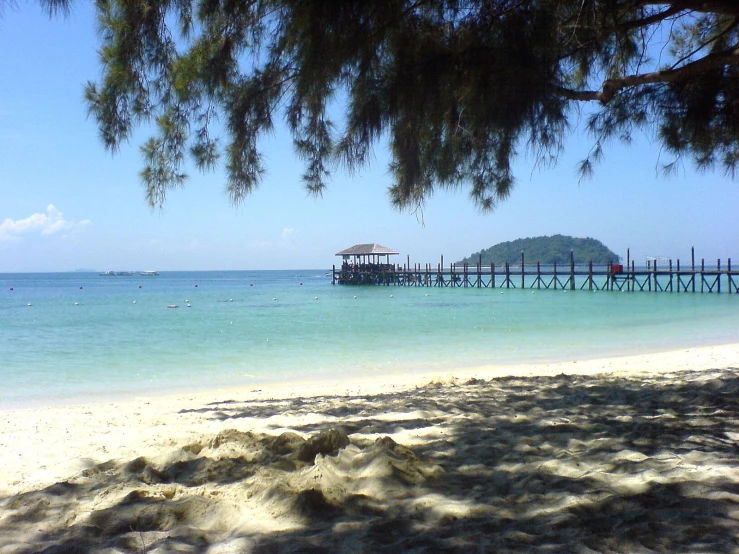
(569, 276)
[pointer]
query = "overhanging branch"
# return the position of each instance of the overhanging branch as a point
(724, 7)
(612, 86)
(652, 19)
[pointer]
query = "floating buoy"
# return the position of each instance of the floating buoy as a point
(29, 304)
(301, 284)
(196, 286)
(230, 299)
(134, 302)
(391, 296)
(355, 296)
(80, 288)
(274, 299)
(11, 288)
(251, 284)
(76, 303)
(139, 286)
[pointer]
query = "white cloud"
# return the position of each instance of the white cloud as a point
(47, 223)
(287, 233)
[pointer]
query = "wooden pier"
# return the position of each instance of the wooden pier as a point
(609, 277)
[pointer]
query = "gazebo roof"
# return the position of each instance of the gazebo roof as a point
(366, 250)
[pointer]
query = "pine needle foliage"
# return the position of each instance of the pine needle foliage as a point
(457, 87)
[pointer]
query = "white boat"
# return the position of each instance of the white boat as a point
(110, 273)
(149, 273)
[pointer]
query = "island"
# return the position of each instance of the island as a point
(547, 250)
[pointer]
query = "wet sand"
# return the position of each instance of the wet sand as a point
(633, 454)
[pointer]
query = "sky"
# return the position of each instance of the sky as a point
(67, 204)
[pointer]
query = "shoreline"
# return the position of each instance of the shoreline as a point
(23, 431)
(91, 452)
(399, 377)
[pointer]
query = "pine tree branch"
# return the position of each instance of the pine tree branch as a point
(705, 44)
(652, 19)
(612, 86)
(723, 7)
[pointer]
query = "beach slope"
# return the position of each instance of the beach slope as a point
(634, 454)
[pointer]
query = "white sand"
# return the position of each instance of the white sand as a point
(628, 454)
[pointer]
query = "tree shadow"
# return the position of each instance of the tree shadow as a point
(540, 464)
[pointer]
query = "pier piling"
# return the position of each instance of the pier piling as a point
(656, 276)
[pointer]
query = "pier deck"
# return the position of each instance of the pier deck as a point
(611, 277)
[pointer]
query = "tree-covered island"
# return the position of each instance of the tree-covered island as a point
(547, 250)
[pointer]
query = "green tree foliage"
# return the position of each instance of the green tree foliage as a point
(456, 87)
(547, 250)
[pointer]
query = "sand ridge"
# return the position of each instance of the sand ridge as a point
(632, 460)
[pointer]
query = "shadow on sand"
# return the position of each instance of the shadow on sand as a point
(541, 464)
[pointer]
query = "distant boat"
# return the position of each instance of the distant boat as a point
(149, 273)
(118, 273)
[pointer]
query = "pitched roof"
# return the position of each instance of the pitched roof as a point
(366, 249)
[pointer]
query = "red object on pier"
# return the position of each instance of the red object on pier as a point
(617, 268)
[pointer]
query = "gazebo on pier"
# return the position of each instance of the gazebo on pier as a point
(362, 264)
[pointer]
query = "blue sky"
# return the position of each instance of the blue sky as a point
(66, 203)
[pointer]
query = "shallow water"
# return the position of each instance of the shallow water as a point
(89, 337)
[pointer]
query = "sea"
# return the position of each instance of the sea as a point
(84, 337)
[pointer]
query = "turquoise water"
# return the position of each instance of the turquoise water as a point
(85, 337)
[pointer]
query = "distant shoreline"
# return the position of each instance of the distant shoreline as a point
(97, 271)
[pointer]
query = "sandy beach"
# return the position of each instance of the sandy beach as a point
(631, 454)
